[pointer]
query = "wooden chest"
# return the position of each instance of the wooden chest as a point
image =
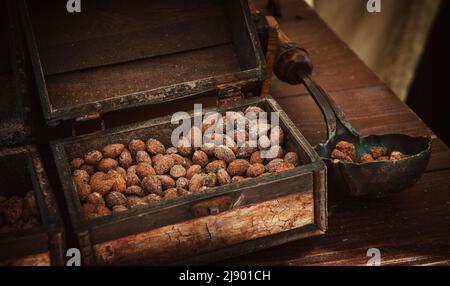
(127, 66)
(21, 168)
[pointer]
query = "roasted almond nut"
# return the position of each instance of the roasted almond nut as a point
(76, 163)
(144, 170)
(112, 150)
(152, 184)
(223, 178)
(215, 166)
(238, 167)
(163, 165)
(292, 157)
(255, 170)
(135, 191)
(95, 199)
(224, 153)
(177, 171)
(166, 181)
(93, 157)
(143, 157)
(284, 167)
(115, 199)
(136, 145)
(125, 159)
(194, 169)
(155, 147)
(200, 158)
(107, 164)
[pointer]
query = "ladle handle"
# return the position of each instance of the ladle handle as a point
(294, 66)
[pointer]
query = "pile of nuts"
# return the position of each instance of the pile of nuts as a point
(345, 151)
(118, 177)
(18, 213)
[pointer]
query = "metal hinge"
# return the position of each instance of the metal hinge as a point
(229, 94)
(93, 122)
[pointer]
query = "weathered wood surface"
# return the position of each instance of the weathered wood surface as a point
(175, 242)
(411, 228)
(41, 259)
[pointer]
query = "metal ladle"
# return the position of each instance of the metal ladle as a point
(372, 179)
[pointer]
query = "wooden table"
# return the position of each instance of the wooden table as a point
(411, 228)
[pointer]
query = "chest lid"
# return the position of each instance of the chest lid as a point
(121, 54)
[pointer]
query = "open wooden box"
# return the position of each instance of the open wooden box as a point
(22, 171)
(144, 53)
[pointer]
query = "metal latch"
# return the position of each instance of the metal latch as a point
(229, 94)
(88, 123)
(213, 206)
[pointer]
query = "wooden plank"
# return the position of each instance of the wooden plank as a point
(183, 240)
(410, 228)
(41, 259)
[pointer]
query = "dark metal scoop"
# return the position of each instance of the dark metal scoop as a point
(372, 179)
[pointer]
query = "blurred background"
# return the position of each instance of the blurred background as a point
(406, 45)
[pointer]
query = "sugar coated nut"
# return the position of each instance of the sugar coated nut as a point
(112, 150)
(152, 184)
(107, 164)
(120, 185)
(115, 199)
(223, 178)
(90, 169)
(211, 180)
(170, 194)
(102, 186)
(80, 176)
(182, 183)
(143, 157)
(95, 199)
(194, 169)
(163, 165)
(238, 167)
(135, 191)
(222, 152)
(208, 148)
(396, 155)
(255, 170)
(215, 166)
(13, 209)
(184, 147)
(83, 190)
(246, 150)
(378, 152)
(347, 148)
(200, 158)
(133, 180)
(272, 165)
(292, 157)
(276, 136)
(365, 158)
(196, 183)
(76, 163)
(166, 181)
(171, 151)
(341, 156)
(136, 145)
(177, 171)
(144, 170)
(284, 167)
(152, 198)
(155, 147)
(256, 158)
(93, 157)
